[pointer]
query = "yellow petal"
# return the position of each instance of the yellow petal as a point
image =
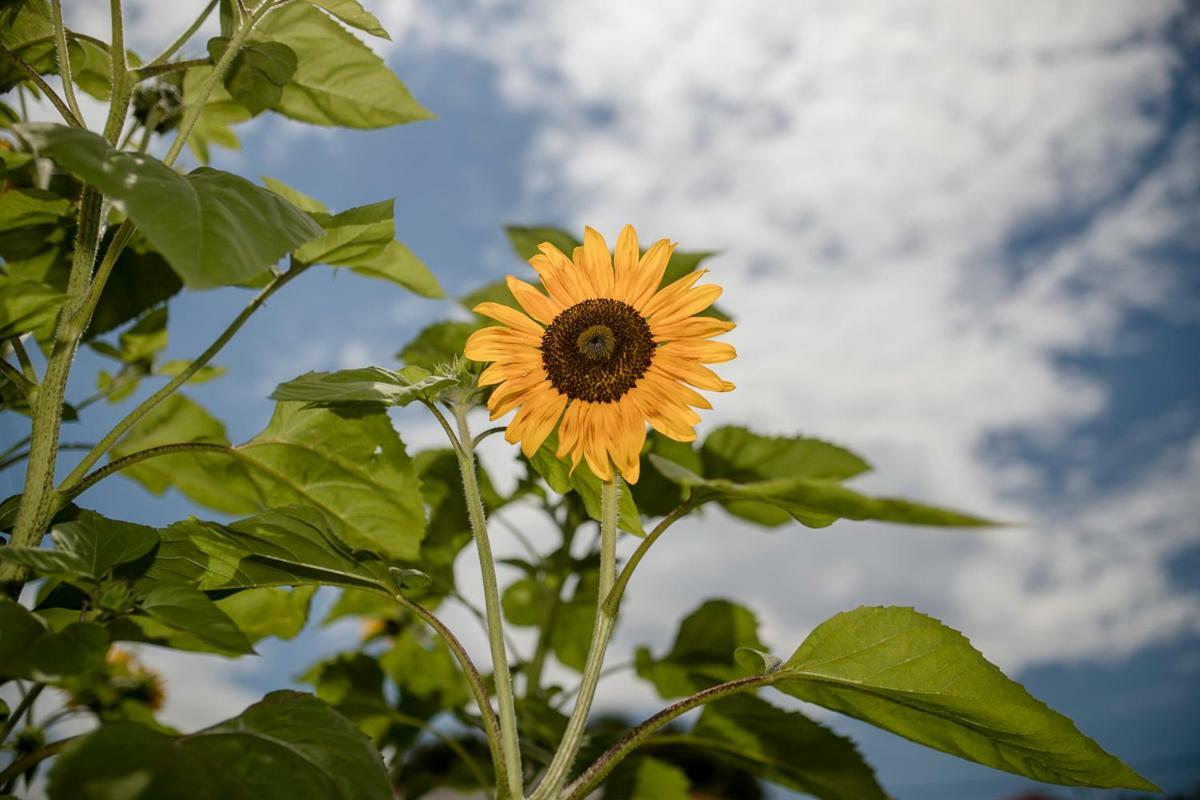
(667, 297)
(542, 424)
(649, 273)
(537, 305)
(598, 262)
(510, 317)
(691, 302)
(625, 263)
(498, 342)
(690, 372)
(702, 350)
(690, 328)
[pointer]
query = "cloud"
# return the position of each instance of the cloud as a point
(921, 210)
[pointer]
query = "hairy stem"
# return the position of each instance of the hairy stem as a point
(509, 745)
(46, 89)
(88, 481)
(64, 58)
(560, 766)
(591, 777)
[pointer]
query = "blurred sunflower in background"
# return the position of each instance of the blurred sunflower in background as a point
(605, 349)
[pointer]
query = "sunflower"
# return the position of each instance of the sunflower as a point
(605, 349)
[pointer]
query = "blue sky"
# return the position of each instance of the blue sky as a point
(961, 239)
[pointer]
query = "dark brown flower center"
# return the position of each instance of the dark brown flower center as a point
(597, 350)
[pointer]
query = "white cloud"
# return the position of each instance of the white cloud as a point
(866, 171)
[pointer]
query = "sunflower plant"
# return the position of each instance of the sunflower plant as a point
(594, 367)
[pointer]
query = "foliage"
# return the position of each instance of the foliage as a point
(98, 236)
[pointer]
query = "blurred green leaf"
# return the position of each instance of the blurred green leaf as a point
(783, 747)
(648, 779)
(398, 264)
(655, 495)
(288, 746)
(369, 385)
(24, 207)
(561, 478)
(426, 673)
(437, 344)
(214, 228)
(146, 338)
(704, 653)
(19, 630)
(27, 305)
(338, 80)
(910, 674)
(78, 649)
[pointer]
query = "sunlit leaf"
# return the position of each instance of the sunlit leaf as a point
(338, 80)
(214, 228)
(189, 611)
(704, 653)
(269, 611)
(910, 674)
(86, 548)
(648, 779)
(258, 72)
(354, 15)
(370, 385)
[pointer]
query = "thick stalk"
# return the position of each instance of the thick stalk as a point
(491, 597)
(587, 782)
(560, 766)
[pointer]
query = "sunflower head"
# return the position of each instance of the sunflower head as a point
(603, 351)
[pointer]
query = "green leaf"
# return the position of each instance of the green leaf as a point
(220, 113)
(140, 280)
(398, 264)
(655, 495)
(289, 746)
(87, 548)
(338, 81)
(19, 630)
(269, 611)
(285, 547)
(176, 366)
(348, 462)
(214, 228)
(572, 634)
(814, 502)
(258, 73)
(437, 345)
(649, 779)
(214, 480)
(704, 653)
(296, 197)
(25, 29)
(147, 338)
(27, 305)
(28, 206)
(352, 237)
(91, 66)
(561, 478)
(426, 673)
(353, 684)
(373, 385)
(354, 15)
(910, 674)
(523, 601)
(77, 649)
(189, 611)
(784, 747)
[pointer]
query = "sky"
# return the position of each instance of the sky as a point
(960, 239)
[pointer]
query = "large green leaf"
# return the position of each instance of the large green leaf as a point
(140, 280)
(561, 478)
(437, 345)
(398, 264)
(910, 674)
(86, 548)
(26, 29)
(704, 653)
(370, 385)
(288, 746)
(814, 502)
(348, 462)
(354, 15)
(269, 611)
(338, 81)
(188, 611)
(78, 649)
(27, 305)
(214, 228)
(783, 747)
(285, 547)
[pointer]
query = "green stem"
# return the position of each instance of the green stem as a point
(175, 46)
(591, 777)
(64, 58)
(46, 89)
(105, 444)
(7, 461)
(560, 766)
(491, 726)
(21, 710)
(88, 481)
(153, 71)
(612, 603)
(491, 595)
(218, 73)
(118, 107)
(23, 358)
(454, 745)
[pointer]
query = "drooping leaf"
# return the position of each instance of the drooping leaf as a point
(338, 80)
(284, 547)
(190, 612)
(814, 502)
(269, 611)
(78, 649)
(214, 228)
(784, 747)
(288, 746)
(91, 66)
(352, 237)
(910, 674)
(370, 385)
(561, 478)
(258, 72)
(704, 653)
